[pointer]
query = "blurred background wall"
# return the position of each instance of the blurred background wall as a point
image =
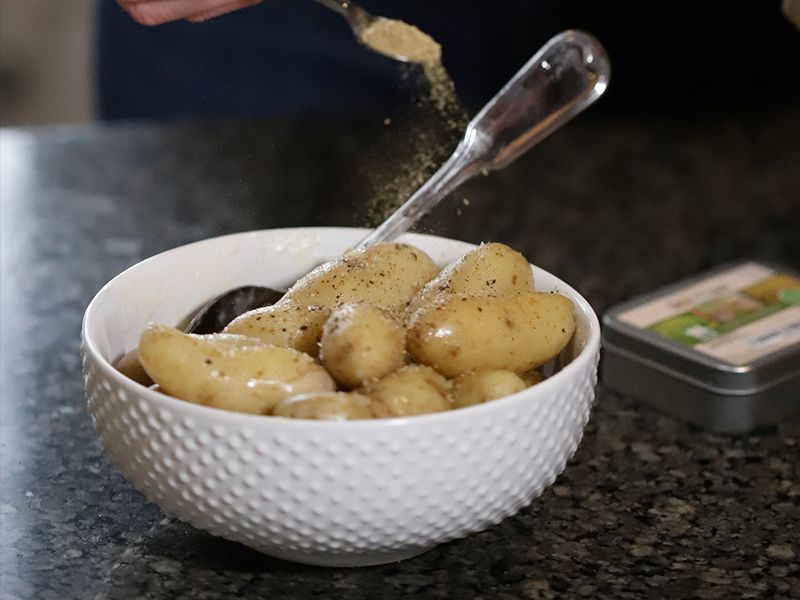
(703, 53)
(45, 61)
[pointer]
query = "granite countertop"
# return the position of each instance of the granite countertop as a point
(649, 507)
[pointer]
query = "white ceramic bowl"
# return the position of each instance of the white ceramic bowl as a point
(325, 493)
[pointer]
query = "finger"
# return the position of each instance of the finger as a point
(156, 12)
(222, 10)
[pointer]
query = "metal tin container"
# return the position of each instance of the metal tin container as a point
(721, 350)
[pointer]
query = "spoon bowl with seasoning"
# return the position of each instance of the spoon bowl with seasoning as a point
(391, 37)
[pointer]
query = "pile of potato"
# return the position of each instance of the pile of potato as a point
(379, 332)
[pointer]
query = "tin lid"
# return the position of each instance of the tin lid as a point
(732, 330)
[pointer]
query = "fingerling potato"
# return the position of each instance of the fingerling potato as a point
(286, 323)
(477, 387)
(228, 371)
(459, 334)
(361, 342)
(411, 390)
(491, 269)
(157, 388)
(332, 406)
(130, 366)
(531, 378)
(384, 275)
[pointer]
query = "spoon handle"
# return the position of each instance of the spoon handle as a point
(566, 76)
(339, 6)
(563, 78)
(357, 17)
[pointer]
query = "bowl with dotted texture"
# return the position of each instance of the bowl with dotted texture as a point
(350, 493)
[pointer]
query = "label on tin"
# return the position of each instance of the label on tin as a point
(740, 315)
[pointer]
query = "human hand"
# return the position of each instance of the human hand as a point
(156, 12)
(791, 8)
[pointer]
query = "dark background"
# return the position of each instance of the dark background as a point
(290, 56)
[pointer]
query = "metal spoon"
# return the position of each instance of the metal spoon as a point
(567, 75)
(360, 21)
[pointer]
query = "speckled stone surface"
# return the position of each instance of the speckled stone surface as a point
(648, 508)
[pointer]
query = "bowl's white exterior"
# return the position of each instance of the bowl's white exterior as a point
(325, 493)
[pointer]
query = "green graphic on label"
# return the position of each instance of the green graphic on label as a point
(713, 318)
(789, 297)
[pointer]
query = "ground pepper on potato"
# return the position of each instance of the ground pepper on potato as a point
(459, 334)
(489, 270)
(361, 342)
(384, 275)
(375, 333)
(228, 371)
(288, 324)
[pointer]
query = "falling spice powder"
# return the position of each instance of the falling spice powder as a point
(424, 148)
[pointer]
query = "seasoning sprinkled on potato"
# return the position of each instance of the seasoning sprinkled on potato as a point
(515, 333)
(489, 270)
(288, 324)
(361, 342)
(228, 371)
(397, 273)
(381, 323)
